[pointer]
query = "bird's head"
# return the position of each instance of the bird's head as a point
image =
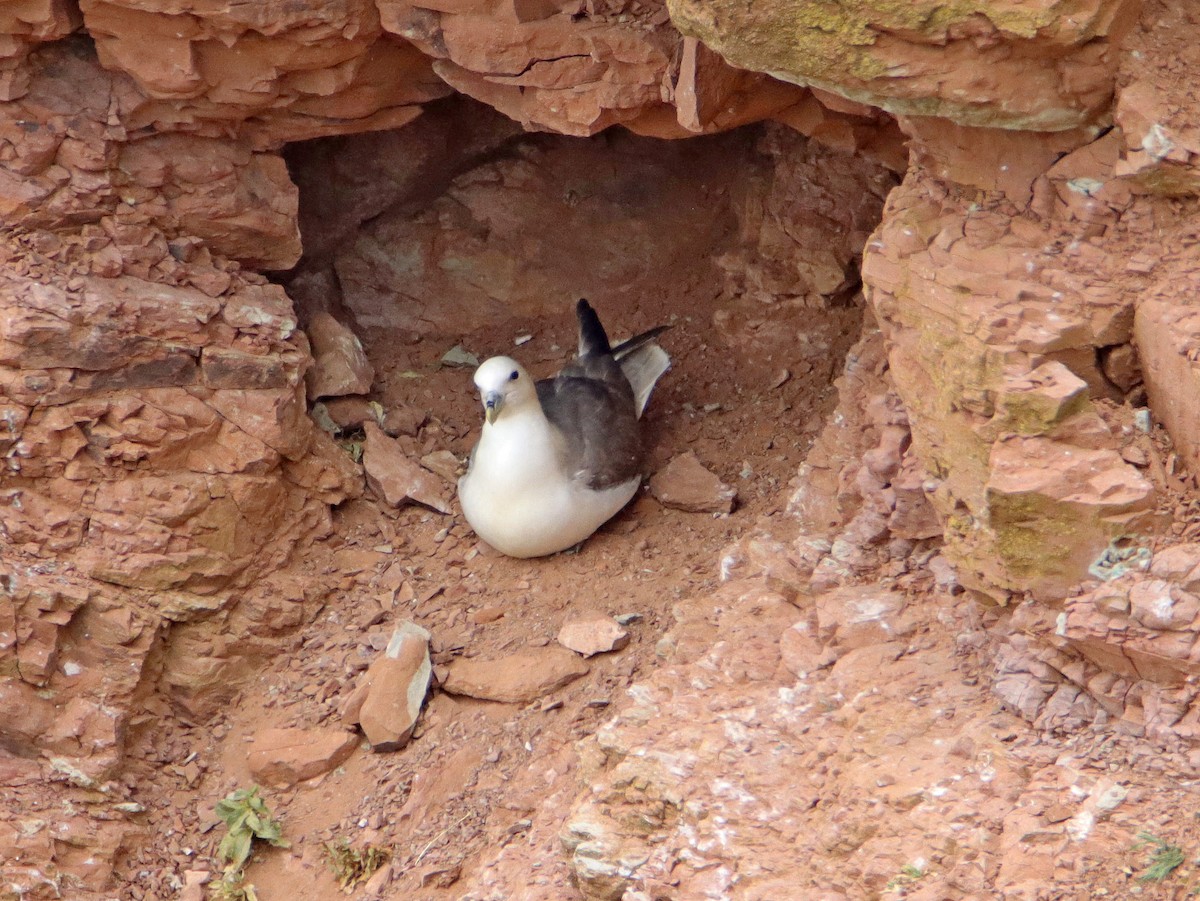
(503, 383)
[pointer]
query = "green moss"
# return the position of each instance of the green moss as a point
(831, 45)
(934, 17)
(1034, 549)
(1029, 413)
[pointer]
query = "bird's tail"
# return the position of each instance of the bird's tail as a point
(592, 337)
(641, 360)
(629, 345)
(643, 366)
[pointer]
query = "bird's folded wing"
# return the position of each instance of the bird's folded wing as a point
(601, 443)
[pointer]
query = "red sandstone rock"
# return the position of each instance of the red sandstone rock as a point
(404, 421)
(1167, 336)
(349, 413)
(80, 165)
(181, 454)
(1063, 313)
(23, 26)
(283, 757)
(686, 484)
(1160, 157)
(911, 62)
(395, 478)
(856, 617)
(651, 796)
(390, 694)
(1038, 486)
(1158, 604)
(770, 561)
(1179, 563)
(711, 95)
(193, 885)
(913, 515)
(444, 464)
(340, 365)
(517, 678)
(1124, 650)
(288, 75)
(592, 635)
(344, 182)
(800, 650)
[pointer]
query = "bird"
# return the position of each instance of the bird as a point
(559, 457)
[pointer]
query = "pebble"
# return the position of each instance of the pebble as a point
(686, 484)
(593, 635)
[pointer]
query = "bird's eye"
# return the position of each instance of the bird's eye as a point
(513, 377)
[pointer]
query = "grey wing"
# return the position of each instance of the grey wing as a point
(602, 441)
(601, 368)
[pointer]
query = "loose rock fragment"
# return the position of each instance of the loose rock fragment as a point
(390, 694)
(193, 885)
(378, 881)
(593, 635)
(459, 356)
(404, 421)
(394, 477)
(515, 679)
(685, 484)
(283, 757)
(340, 363)
(349, 413)
(443, 463)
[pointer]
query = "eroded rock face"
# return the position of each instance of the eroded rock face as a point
(1168, 334)
(1122, 652)
(578, 69)
(160, 459)
(994, 318)
(79, 152)
(24, 25)
(155, 439)
(753, 765)
(1041, 67)
(149, 424)
(276, 73)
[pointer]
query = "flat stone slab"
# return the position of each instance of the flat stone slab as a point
(283, 757)
(516, 679)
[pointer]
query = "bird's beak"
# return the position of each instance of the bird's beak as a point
(493, 401)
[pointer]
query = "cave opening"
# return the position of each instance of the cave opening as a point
(462, 234)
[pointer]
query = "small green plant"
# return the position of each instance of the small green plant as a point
(351, 865)
(354, 447)
(232, 886)
(1164, 858)
(909, 874)
(246, 817)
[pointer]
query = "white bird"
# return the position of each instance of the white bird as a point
(557, 459)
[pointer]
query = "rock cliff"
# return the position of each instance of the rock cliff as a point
(1031, 398)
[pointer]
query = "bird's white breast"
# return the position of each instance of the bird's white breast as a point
(518, 498)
